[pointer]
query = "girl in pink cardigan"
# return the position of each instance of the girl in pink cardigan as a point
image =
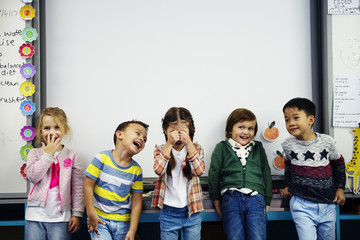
(55, 201)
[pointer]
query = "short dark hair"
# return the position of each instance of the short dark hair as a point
(124, 125)
(239, 115)
(302, 104)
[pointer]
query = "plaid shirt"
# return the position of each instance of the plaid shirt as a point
(197, 165)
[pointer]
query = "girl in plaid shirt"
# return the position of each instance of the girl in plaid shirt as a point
(179, 163)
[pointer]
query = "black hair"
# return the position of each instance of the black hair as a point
(124, 125)
(303, 104)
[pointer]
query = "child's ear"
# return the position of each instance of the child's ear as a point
(119, 135)
(311, 119)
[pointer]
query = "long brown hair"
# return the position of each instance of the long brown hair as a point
(175, 114)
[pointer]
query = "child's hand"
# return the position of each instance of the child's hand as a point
(339, 197)
(173, 137)
(130, 235)
(53, 143)
(285, 193)
(74, 224)
(92, 223)
(184, 137)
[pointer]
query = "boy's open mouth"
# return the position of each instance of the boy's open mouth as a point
(137, 144)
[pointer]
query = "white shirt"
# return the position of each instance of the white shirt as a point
(176, 187)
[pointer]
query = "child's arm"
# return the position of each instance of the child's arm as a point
(285, 192)
(214, 174)
(77, 194)
(267, 179)
(136, 206)
(196, 160)
(77, 183)
(160, 161)
(37, 165)
(339, 197)
(217, 205)
(93, 218)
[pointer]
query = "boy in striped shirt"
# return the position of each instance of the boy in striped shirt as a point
(113, 186)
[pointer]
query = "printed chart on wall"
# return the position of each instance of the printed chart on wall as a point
(346, 79)
(16, 89)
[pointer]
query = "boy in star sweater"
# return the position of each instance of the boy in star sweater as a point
(314, 173)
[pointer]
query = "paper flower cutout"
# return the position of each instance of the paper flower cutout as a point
(27, 12)
(29, 34)
(67, 162)
(27, 1)
(27, 133)
(27, 70)
(27, 89)
(23, 170)
(24, 151)
(27, 50)
(27, 107)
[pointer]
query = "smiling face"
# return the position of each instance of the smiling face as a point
(51, 128)
(133, 137)
(243, 132)
(299, 124)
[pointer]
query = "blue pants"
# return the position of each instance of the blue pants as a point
(313, 220)
(111, 230)
(47, 231)
(173, 220)
(244, 216)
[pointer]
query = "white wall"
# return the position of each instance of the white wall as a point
(118, 60)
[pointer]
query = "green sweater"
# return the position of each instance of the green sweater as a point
(226, 171)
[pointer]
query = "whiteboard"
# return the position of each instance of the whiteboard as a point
(11, 120)
(118, 60)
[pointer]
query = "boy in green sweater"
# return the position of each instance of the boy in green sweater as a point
(240, 183)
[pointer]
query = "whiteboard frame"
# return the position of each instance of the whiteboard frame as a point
(316, 70)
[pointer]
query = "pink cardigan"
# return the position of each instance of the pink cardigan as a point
(38, 170)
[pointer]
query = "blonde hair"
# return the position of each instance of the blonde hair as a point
(59, 117)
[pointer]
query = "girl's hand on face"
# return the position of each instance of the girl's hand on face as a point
(184, 137)
(173, 137)
(53, 143)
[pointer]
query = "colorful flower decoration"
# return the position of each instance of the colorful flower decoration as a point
(27, 107)
(27, 89)
(23, 170)
(67, 162)
(24, 151)
(29, 34)
(27, 12)
(27, 70)
(27, 50)
(27, 133)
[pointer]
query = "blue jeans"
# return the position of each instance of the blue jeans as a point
(172, 220)
(313, 220)
(111, 230)
(244, 216)
(47, 230)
